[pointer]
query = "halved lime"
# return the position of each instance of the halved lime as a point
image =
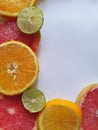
(30, 20)
(33, 100)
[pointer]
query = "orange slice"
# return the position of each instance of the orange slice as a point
(18, 67)
(60, 114)
(13, 7)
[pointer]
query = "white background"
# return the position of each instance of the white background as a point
(68, 53)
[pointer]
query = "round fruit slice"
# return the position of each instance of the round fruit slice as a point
(13, 7)
(60, 114)
(18, 67)
(10, 31)
(33, 100)
(30, 20)
(88, 101)
(13, 116)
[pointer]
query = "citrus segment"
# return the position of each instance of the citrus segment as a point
(10, 31)
(33, 100)
(18, 67)
(13, 116)
(30, 20)
(60, 114)
(13, 7)
(88, 102)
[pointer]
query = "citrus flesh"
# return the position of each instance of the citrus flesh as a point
(18, 67)
(13, 7)
(10, 31)
(13, 116)
(33, 100)
(30, 20)
(88, 102)
(60, 114)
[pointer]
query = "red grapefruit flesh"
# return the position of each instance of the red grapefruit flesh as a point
(13, 116)
(10, 31)
(88, 101)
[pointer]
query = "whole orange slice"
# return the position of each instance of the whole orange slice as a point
(13, 7)
(18, 67)
(60, 114)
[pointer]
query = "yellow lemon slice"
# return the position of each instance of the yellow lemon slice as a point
(60, 114)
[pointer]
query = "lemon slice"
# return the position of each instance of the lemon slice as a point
(33, 100)
(30, 20)
(60, 114)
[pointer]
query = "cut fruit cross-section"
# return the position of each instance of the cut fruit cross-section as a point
(13, 7)
(10, 31)
(13, 116)
(18, 67)
(33, 100)
(60, 114)
(88, 102)
(30, 20)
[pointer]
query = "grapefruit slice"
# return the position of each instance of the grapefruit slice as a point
(88, 102)
(13, 116)
(10, 31)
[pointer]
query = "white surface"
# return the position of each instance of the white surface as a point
(68, 54)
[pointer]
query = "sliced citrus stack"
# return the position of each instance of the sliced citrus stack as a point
(13, 7)
(13, 116)
(10, 31)
(18, 67)
(88, 101)
(60, 114)
(33, 100)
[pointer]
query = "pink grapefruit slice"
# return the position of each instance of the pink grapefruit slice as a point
(88, 102)
(13, 116)
(10, 31)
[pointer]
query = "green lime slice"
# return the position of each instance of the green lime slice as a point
(33, 100)
(30, 20)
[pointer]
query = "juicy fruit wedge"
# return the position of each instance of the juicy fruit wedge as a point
(13, 7)
(13, 116)
(10, 31)
(18, 67)
(33, 100)
(60, 114)
(30, 20)
(88, 101)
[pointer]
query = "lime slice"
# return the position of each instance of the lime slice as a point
(30, 20)
(33, 100)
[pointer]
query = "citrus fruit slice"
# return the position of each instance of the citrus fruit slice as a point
(30, 20)
(10, 31)
(13, 7)
(88, 101)
(33, 100)
(18, 67)
(13, 116)
(60, 114)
